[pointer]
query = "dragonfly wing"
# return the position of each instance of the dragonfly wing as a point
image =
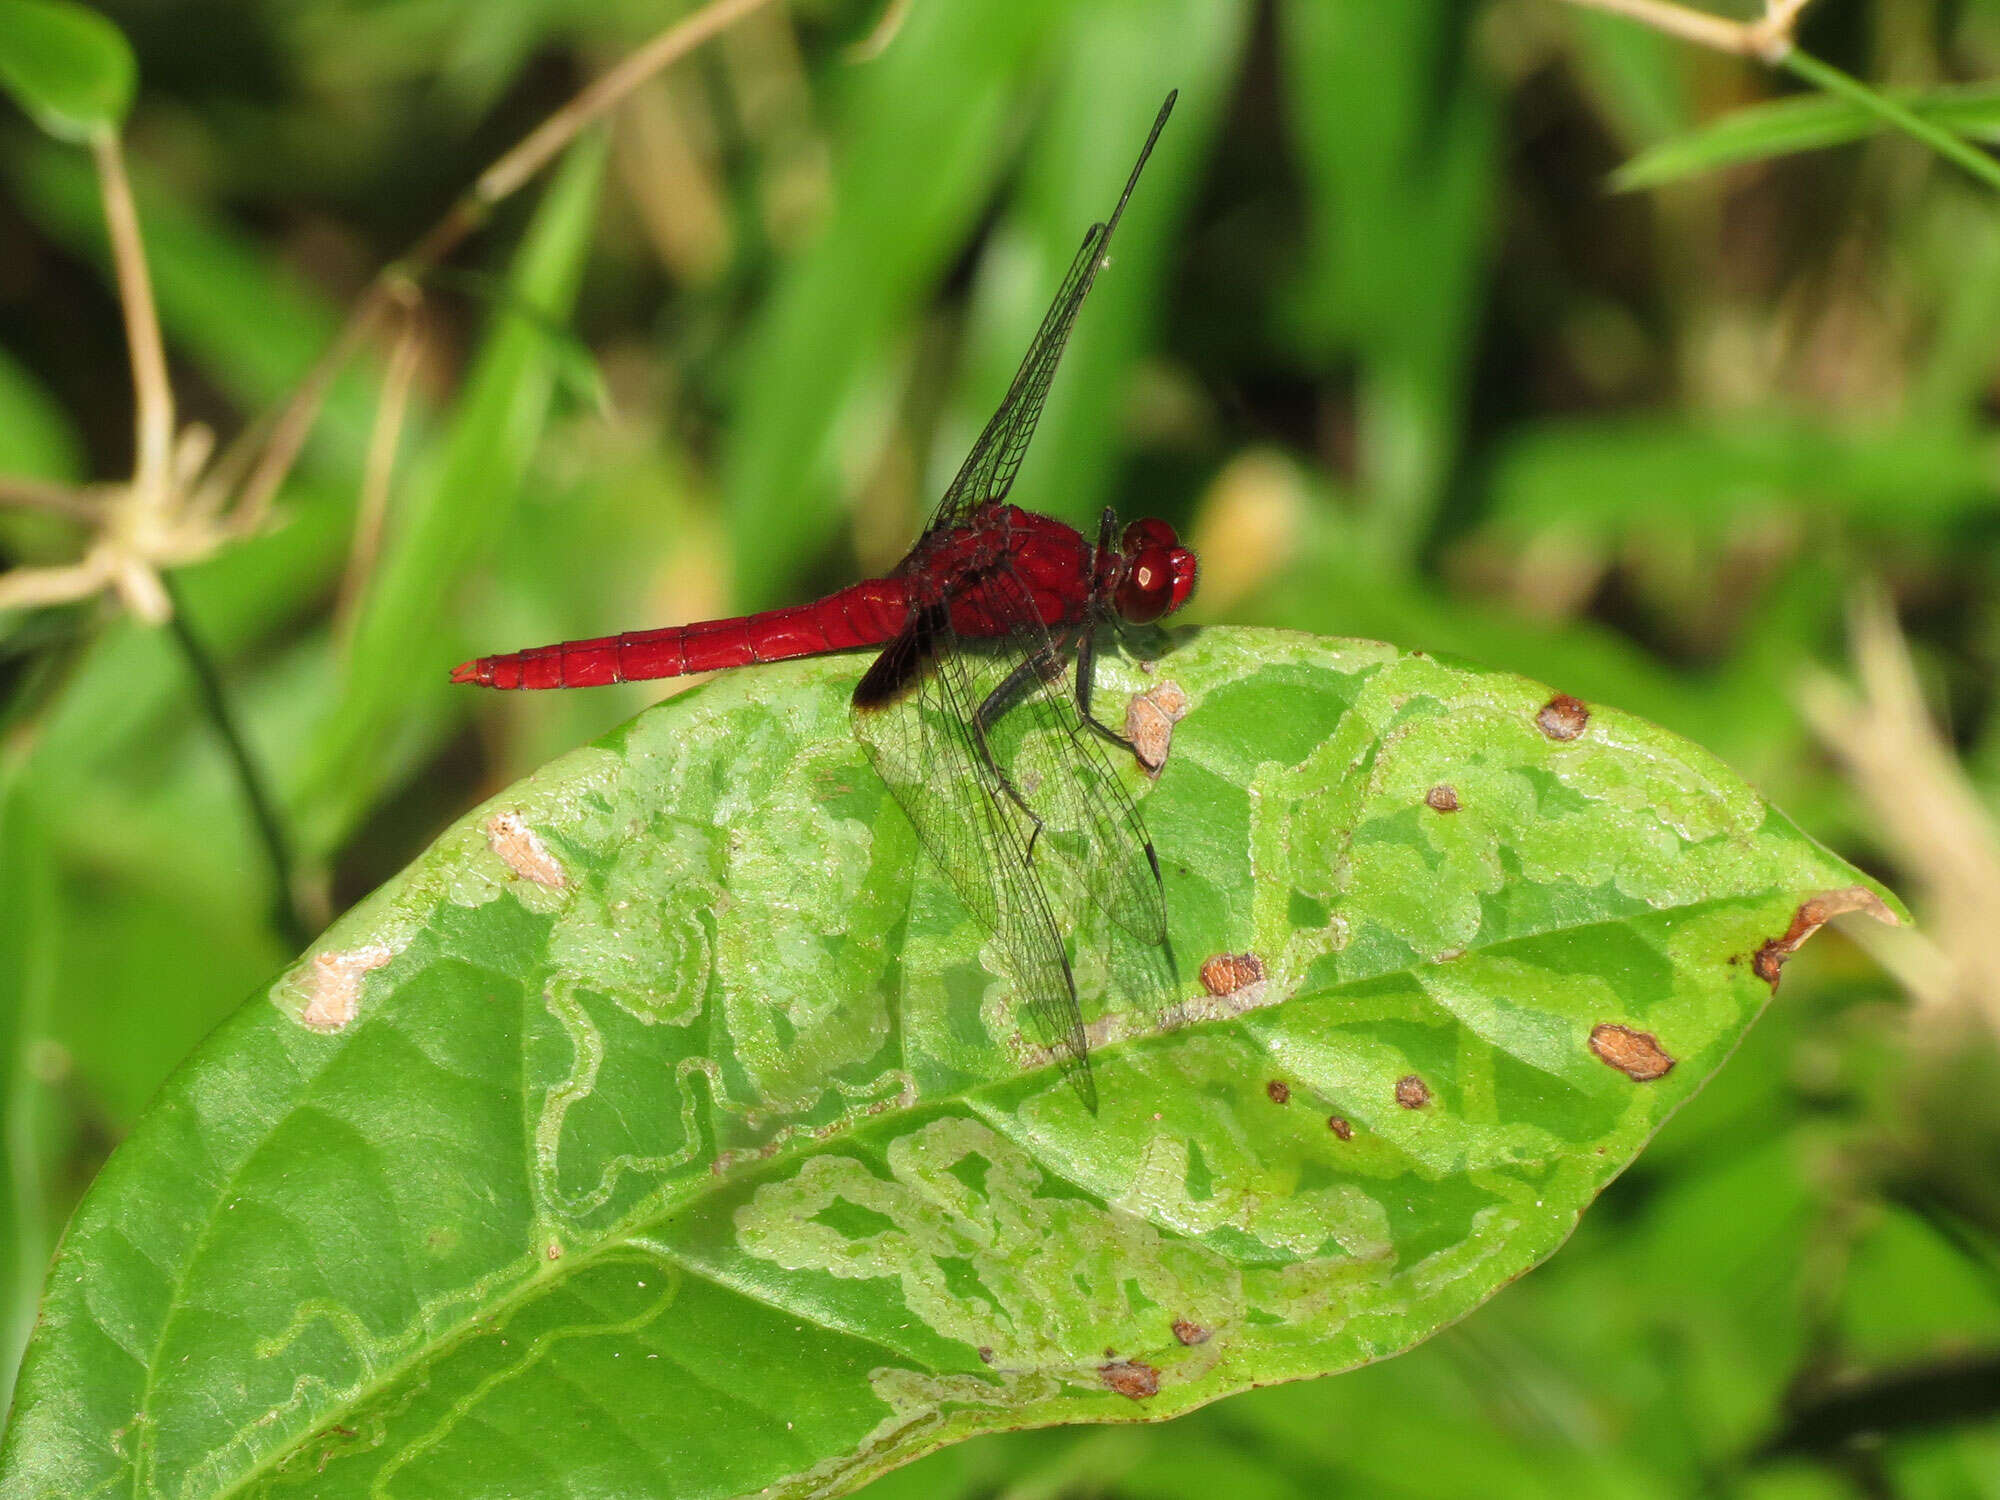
(1062, 768)
(989, 469)
(913, 714)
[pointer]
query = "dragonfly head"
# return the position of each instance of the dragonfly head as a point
(1156, 573)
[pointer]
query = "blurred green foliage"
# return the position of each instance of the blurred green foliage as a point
(1378, 335)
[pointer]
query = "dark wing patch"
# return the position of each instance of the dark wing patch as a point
(894, 673)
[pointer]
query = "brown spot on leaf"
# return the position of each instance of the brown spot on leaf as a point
(1131, 1377)
(1279, 1090)
(1770, 962)
(1441, 798)
(1340, 1127)
(985, 1354)
(521, 850)
(1226, 973)
(1149, 723)
(335, 992)
(1190, 1333)
(1636, 1054)
(555, 1250)
(1412, 1092)
(1808, 919)
(1562, 717)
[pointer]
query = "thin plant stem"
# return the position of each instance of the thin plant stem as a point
(153, 393)
(535, 151)
(287, 914)
(1953, 148)
(378, 474)
(1695, 26)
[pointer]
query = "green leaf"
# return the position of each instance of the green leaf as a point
(67, 66)
(660, 1130)
(1809, 122)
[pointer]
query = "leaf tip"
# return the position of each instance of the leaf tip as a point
(1813, 914)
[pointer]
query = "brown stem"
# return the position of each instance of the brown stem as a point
(153, 395)
(380, 468)
(1767, 40)
(535, 151)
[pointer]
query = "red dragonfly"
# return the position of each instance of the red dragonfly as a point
(964, 713)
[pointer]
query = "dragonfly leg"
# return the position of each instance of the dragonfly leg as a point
(1043, 664)
(1086, 668)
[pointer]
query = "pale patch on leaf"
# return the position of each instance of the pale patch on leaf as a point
(521, 849)
(1149, 722)
(334, 991)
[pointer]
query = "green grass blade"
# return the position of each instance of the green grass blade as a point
(1395, 129)
(1892, 112)
(28, 921)
(1811, 122)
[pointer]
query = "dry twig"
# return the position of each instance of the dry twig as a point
(176, 509)
(1768, 39)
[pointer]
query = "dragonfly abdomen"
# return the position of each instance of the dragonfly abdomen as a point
(866, 614)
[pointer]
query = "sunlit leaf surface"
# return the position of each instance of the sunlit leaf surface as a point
(659, 1131)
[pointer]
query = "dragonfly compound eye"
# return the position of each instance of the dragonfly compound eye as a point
(1148, 532)
(1157, 580)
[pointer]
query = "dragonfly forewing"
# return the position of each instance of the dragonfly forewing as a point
(914, 716)
(989, 469)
